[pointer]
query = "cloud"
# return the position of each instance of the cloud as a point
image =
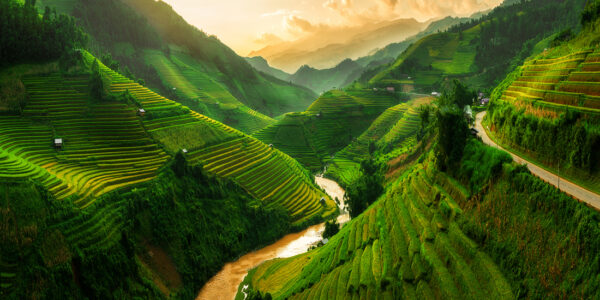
(298, 25)
(281, 12)
(268, 39)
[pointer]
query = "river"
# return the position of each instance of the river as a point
(224, 285)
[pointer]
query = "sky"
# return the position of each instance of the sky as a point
(246, 25)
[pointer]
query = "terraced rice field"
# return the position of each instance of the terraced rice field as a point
(328, 125)
(405, 246)
(572, 80)
(192, 83)
(267, 174)
(392, 128)
(264, 172)
(105, 146)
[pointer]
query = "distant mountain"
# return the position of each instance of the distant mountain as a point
(262, 65)
(390, 52)
(148, 40)
(480, 52)
(327, 50)
(327, 79)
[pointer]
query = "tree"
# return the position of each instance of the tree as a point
(365, 190)
(453, 132)
(96, 84)
(331, 228)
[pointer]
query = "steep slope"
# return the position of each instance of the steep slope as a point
(487, 229)
(328, 125)
(263, 93)
(393, 50)
(153, 27)
(204, 94)
(480, 52)
(548, 110)
(408, 245)
(392, 133)
(226, 152)
(105, 146)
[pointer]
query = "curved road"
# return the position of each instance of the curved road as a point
(564, 185)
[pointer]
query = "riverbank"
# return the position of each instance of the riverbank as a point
(224, 285)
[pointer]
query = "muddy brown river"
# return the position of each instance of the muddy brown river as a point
(224, 285)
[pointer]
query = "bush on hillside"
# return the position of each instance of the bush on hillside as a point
(365, 190)
(331, 228)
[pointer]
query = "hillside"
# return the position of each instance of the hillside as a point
(480, 52)
(393, 133)
(180, 56)
(548, 109)
(485, 229)
(327, 126)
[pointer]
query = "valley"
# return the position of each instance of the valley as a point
(412, 154)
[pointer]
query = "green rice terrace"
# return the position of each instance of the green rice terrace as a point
(327, 126)
(407, 245)
(425, 64)
(107, 145)
(232, 154)
(554, 95)
(392, 132)
(554, 83)
(191, 82)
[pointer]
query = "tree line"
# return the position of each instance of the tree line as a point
(25, 36)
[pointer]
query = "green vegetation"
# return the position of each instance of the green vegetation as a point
(548, 109)
(480, 52)
(205, 95)
(365, 189)
(390, 135)
(408, 243)
(161, 49)
(328, 125)
(163, 238)
(485, 228)
(47, 36)
(227, 152)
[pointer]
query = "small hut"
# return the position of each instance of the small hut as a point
(141, 112)
(184, 151)
(322, 201)
(391, 89)
(271, 146)
(58, 143)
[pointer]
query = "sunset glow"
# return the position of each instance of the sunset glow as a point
(250, 25)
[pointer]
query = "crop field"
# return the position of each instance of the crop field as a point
(407, 245)
(190, 82)
(570, 80)
(329, 124)
(265, 173)
(105, 145)
(392, 128)
(437, 55)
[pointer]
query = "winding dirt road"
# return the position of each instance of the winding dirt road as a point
(564, 185)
